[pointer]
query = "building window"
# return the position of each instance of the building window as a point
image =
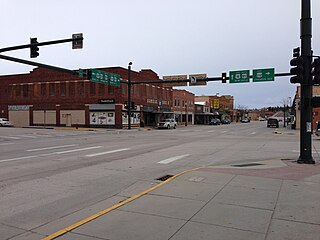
(52, 89)
(110, 90)
(92, 88)
(43, 90)
(71, 88)
(124, 89)
(10, 91)
(143, 90)
(150, 92)
(63, 88)
(25, 90)
(101, 89)
(137, 90)
(36, 90)
(80, 88)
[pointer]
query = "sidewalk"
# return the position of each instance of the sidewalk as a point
(275, 199)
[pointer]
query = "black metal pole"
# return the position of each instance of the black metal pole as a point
(40, 44)
(129, 95)
(73, 72)
(306, 85)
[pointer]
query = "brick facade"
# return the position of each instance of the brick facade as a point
(57, 98)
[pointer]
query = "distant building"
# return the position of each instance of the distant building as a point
(51, 98)
(219, 105)
(183, 106)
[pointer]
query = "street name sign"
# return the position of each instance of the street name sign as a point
(197, 77)
(175, 78)
(240, 76)
(263, 75)
(105, 77)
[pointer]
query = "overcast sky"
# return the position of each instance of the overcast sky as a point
(168, 36)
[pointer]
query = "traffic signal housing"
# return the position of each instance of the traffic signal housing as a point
(315, 72)
(224, 77)
(34, 49)
(297, 67)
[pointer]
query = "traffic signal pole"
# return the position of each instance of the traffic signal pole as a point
(306, 85)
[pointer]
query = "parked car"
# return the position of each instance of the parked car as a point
(226, 121)
(4, 122)
(168, 123)
(245, 120)
(272, 122)
(215, 121)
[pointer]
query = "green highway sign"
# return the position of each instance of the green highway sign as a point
(263, 75)
(99, 76)
(240, 76)
(114, 79)
(105, 77)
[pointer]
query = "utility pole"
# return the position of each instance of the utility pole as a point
(129, 95)
(306, 85)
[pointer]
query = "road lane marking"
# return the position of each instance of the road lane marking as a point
(48, 154)
(172, 159)
(16, 138)
(78, 150)
(4, 144)
(253, 133)
(26, 136)
(108, 152)
(48, 148)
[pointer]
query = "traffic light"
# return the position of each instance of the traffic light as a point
(316, 71)
(77, 41)
(297, 67)
(34, 49)
(224, 77)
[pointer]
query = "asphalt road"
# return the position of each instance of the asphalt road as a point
(48, 174)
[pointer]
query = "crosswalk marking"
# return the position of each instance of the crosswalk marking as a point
(108, 152)
(172, 159)
(48, 148)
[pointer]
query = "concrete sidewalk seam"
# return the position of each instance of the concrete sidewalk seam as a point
(189, 220)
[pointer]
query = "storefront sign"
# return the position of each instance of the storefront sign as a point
(106, 101)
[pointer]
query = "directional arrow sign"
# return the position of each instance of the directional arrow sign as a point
(263, 75)
(240, 76)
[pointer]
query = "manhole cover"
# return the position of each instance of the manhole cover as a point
(165, 177)
(247, 165)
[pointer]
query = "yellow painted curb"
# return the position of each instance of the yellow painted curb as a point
(94, 216)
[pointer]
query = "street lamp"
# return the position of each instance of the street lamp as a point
(129, 95)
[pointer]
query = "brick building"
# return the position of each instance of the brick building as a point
(219, 105)
(47, 97)
(183, 106)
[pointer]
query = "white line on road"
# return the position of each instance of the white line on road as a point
(48, 154)
(48, 148)
(4, 144)
(172, 159)
(26, 136)
(253, 133)
(108, 152)
(10, 137)
(78, 150)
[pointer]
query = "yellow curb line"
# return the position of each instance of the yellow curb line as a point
(94, 216)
